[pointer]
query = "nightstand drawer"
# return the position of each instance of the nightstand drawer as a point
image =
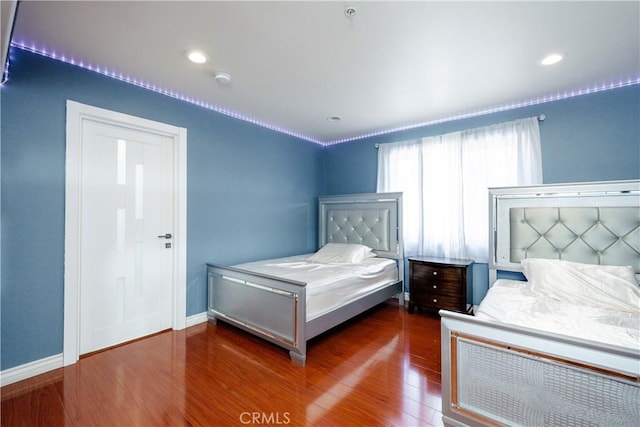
(436, 287)
(437, 302)
(430, 273)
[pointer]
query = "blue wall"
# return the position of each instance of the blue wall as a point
(247, 188)
(593, 137)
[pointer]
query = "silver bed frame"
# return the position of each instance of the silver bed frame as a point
(500, 374)
(275, 309)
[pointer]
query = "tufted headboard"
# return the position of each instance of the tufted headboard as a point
(372, 219)
(593, 223)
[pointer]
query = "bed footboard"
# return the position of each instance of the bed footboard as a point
(494, 374)
(271, 308)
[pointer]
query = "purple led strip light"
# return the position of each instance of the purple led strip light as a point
(139, 83)
(163, 91)
(512, 106)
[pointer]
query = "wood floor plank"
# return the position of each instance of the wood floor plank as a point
(382, 368)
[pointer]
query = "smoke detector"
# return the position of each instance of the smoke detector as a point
(222, 78)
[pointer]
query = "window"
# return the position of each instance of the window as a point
(444, 180)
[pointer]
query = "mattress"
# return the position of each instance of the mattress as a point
(510, 301)
(329, 286)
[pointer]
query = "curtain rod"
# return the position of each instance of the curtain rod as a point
(541, 118)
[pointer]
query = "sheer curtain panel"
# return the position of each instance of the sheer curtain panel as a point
(444, 180)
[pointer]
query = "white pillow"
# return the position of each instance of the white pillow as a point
(608, 286)
(342, 253)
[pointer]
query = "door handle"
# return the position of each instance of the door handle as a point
(165, 236)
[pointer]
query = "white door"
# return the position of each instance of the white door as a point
(126, 234)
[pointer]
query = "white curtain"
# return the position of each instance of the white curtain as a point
(444, 180)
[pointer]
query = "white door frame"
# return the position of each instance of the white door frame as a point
(76, 114)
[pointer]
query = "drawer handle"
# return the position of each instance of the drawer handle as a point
(435, 273)
(435, 300)
(435, 287)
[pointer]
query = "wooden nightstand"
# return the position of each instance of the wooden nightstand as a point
(439, 283)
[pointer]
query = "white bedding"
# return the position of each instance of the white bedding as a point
(510, 301)
(329, 285)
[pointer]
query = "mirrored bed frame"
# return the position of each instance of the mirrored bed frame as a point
(275, 308)
(500, 374)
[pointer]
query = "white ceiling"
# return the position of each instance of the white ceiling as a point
(392, 65)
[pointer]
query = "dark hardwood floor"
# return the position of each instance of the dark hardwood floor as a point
(380, 369)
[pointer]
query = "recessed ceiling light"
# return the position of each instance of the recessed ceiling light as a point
(552, 58)
(196, 56)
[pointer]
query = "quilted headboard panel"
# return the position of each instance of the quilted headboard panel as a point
(368, 227)
(593, 235)
(594, 223)
(373, 220)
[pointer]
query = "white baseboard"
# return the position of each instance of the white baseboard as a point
(196, 319)
(31, 369)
